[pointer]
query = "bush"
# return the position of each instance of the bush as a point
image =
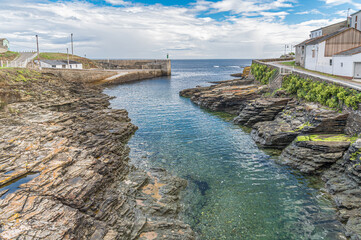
(262, 73)
(326, 94)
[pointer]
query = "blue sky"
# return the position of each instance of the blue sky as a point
(182, 28)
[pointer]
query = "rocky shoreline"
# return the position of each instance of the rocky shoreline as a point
(312, 138)
(64, 171)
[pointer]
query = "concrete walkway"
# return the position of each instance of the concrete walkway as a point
(347, 83)
(23, 59)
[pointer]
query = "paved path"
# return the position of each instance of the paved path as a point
(23, 59)
(347, 83)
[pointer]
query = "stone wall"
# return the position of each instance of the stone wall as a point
(163, 65)
(85, 76)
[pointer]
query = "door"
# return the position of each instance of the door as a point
(357, 72)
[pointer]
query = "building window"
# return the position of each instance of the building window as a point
(330, 62)
(53, 66)
(64, 66)
(341, 64)
(313, 53)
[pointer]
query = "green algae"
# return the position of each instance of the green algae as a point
(326, 138)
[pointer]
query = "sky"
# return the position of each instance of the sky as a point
(184, 29)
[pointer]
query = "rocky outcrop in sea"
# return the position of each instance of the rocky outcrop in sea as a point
(64, 171)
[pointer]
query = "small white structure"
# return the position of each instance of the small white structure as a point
(4, 45)
(63, 64)
(356, 20)
(348, 63)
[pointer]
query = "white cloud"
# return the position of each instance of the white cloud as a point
(355, 3)
(238, 6)
(117, 2)
(151, 31)
(313, 11)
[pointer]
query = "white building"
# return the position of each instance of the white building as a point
(335, 53)
(4, 45)
(356, 20)
(60, 64)
(348, 63)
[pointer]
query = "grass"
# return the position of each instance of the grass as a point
(14, 75)
(291, 64)
(8, 56)
(87, 63)
(326, 138)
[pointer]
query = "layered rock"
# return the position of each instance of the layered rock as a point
(225, 97)
(260, 110)
(297, 119)
(312, 154)
(69, 150)
(343, 181)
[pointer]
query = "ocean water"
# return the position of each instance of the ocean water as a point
(235, 190)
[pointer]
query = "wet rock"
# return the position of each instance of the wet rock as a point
(260, 110)
(313, 154)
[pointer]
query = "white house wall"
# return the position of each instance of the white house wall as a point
(310, 62)
(71, 66)
(319, 62)
(348, 64)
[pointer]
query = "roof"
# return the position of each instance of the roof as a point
(349, 52)
(306, 41)
(328, 26)
(328, 36)
(59, 62)
(355, 13)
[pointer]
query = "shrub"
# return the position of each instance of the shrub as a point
(326, 94)
(262, 73)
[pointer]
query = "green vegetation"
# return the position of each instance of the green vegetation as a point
(262, 73)
(87, 63)
(8, 56)
(13, 75)
(292, 63)
(326, 94)
(326, 138)
(355, 156)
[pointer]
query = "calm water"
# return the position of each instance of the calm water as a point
(236, 190)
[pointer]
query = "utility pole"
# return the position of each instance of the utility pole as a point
(72, 45)
(37, 46)
(67, 53)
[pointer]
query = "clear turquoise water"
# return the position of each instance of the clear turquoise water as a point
(236, 190)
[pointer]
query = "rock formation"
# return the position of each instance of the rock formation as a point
(68, 149)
